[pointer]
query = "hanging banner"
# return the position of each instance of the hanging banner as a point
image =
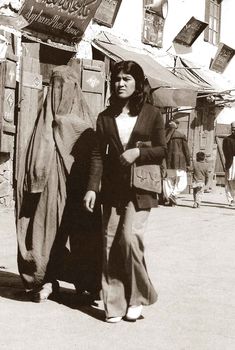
(222, 58)
(59, 20)
(107, 12)
(190, 32)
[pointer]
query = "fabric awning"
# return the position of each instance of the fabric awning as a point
(169, 90)
(206, 80)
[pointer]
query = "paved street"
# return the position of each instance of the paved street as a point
(190, 255)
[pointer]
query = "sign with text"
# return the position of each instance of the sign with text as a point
(59, 19)
(222, 58)
(107, 12)
(153, 26)
(190, 32)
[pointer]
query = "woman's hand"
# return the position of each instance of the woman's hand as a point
(89, 201)
(129, 156)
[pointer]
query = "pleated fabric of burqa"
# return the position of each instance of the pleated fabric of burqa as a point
(50, 191)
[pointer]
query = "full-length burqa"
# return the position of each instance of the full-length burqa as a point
(49, 210)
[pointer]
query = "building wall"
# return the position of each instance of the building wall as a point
(128, 25)
(7, 106)
(201, 51)
(227, 32)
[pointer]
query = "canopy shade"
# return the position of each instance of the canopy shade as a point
(204, 79)
(168, 90)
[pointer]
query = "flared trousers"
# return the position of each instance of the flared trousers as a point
(125, 280)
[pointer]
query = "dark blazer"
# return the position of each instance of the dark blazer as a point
(105, 161)
(229, 150)
(178, 156)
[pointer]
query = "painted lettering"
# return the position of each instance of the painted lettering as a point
(70, 30)
(73, 7)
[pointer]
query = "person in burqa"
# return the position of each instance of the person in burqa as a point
(48, 204)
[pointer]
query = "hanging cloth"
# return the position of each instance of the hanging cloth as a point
(64, 118)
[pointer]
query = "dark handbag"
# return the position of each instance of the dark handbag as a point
(147, 177)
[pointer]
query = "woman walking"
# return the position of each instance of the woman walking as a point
(128, 121)
(51, 186)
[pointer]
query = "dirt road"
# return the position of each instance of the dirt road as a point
(191, 260)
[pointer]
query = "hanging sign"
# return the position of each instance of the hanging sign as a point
(64, 20)
(190, 32)
(222, 58)
(107, 12)
(152, 32)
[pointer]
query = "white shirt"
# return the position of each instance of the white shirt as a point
(125, 124)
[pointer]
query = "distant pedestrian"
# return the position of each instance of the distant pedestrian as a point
(229, 155)
(177, 162)
(200, 177)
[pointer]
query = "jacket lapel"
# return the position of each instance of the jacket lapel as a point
(113, 131)
(116, 137)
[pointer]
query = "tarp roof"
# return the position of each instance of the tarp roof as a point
(206, 80)
(170, 91)
(190, 74)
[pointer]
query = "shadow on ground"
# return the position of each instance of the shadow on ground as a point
(83, 303)
(11, 287)
(208, 204)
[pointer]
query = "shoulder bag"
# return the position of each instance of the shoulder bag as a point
(148, 176)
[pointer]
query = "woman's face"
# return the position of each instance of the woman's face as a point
(124, 85)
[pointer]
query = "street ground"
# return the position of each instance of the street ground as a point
(190, 257)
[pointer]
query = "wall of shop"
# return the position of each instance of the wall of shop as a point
(129, 21)
(180, 11)
(128, 26)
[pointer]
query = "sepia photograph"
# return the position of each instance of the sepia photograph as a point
(117, 174)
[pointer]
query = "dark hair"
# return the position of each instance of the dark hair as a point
(137, 100)
(200, 156)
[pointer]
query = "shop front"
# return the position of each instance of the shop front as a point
(185, 91)
(35, 38)
(214, 96)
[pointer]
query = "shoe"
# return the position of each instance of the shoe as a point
(172, 200)
(48, 289)
(133, 313)
(86, 298)
(113, 319)
(196, 205)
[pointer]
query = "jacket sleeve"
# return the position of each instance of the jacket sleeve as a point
(96, 164)
(157, 152)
